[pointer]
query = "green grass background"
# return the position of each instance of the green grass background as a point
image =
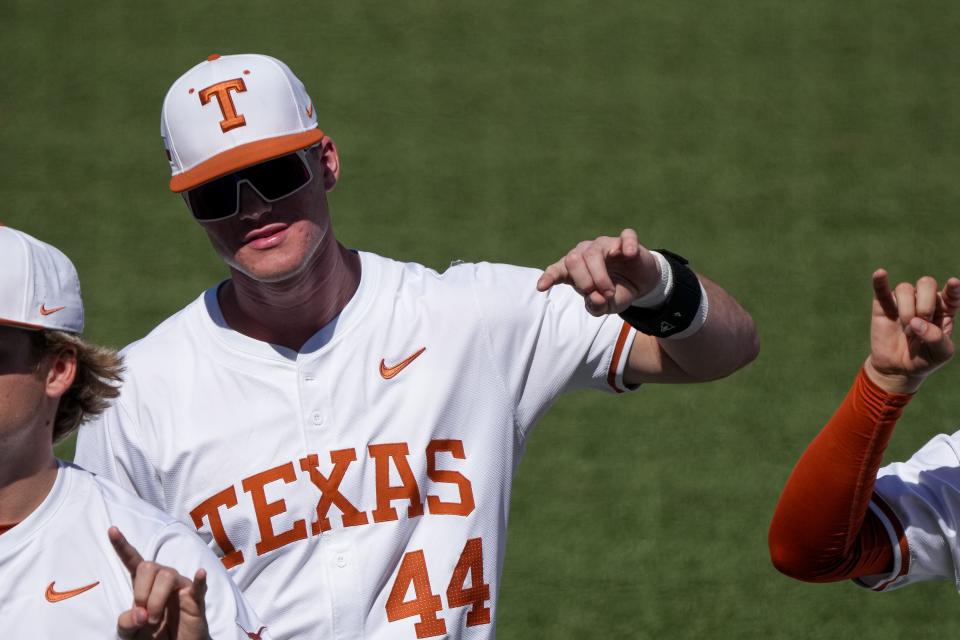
(787, 148)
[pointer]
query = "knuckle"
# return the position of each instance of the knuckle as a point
(904, 288)
(592, 309)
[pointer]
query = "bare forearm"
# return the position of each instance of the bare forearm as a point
(727, 341)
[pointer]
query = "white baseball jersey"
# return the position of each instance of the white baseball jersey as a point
(918, 502)
(358, 488)
(62, 579)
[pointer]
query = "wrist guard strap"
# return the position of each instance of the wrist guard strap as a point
(680, 309)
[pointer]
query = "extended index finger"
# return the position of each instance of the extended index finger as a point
(198, 590)
(130, 557)
(554, 274)
(883, 295)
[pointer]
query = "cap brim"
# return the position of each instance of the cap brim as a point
(20, 325)
(246, 155)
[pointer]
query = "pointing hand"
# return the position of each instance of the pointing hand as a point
(166, 605)
(609, 272)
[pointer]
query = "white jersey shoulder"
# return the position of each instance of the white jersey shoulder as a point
(65, 580)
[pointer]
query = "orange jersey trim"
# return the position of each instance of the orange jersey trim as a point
(246, 155)
(615, 360)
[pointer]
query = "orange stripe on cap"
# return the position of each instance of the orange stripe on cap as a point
(243, 156)
(615, 361)
(901, 540)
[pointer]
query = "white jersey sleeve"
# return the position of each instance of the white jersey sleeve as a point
(161, 539)
(545, 344)
(228, 614)
(918, 502)
(106, 447)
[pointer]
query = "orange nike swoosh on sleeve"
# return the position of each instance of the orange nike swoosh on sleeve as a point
(390, 372)
(56, 596)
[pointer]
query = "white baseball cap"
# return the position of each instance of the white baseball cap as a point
(232, 112)
(39, 287)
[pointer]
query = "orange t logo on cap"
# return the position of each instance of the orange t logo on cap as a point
(221, 91)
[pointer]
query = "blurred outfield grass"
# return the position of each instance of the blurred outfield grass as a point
(787, 148)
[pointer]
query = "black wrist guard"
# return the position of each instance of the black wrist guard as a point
(680, 309)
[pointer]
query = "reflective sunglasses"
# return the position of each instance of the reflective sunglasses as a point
(272, 180)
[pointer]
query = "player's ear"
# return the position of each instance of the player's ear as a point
(61, 372)
(330, 162)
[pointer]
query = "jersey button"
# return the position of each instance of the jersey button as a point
(317, 418)
(341, 560)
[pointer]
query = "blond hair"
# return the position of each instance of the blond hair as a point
(97, 381)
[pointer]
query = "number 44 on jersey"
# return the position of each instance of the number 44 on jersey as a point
(425, 604)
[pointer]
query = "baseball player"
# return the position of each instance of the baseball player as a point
(71, 543)
(839, 517)
(343, 428)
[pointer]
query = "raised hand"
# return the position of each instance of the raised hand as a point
(910, 331)
(166, 606)
(609, 272)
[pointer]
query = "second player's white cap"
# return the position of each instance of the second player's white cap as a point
(232, 112)
(39, 287)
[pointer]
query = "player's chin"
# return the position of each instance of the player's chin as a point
(270, 267)
(282, 261)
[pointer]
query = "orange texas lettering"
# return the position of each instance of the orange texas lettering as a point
(284, 479)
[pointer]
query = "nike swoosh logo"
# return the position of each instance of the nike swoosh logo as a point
(310, 110)
(45, 312)
(255, 635)
(56, 596)
(390, 372)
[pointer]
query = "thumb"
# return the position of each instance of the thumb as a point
(938, 343)
(130, 621)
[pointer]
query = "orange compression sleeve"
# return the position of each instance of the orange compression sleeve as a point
(822, 529)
